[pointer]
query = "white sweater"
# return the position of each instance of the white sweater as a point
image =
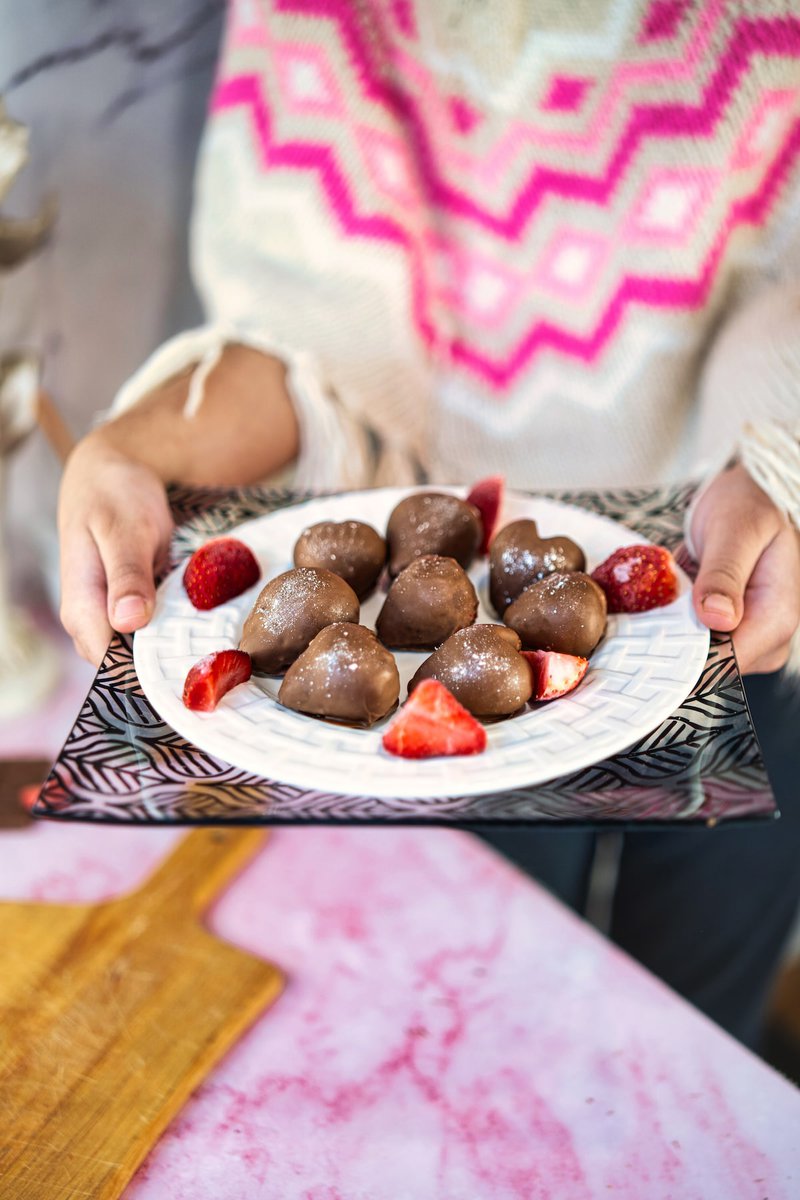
(499, 238)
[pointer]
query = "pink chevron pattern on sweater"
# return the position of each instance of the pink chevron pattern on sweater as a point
(533, 233)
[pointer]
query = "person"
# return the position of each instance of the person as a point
(438, 240)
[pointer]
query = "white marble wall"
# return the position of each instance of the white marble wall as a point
(114, 93)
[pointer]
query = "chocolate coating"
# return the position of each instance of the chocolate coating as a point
(429, 600)
(352, 550)
(346, 674)
(290, 611)
(483, 669)
(518, 557)
(565, 612)
(432, 523)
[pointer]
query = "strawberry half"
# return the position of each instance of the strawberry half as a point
(218, 571)
(637, 578)
(28, 795)
(212, 677)
(432, 722)
(487, 496)
(554, 674)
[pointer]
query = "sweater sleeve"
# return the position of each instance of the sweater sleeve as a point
(749, 398)
(258, 283)
(336, 450)
(752, 373)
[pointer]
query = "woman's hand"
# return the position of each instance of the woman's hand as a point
(114, 529)
(748, 582)
(114, 520)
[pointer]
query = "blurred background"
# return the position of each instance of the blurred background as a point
(114, 97)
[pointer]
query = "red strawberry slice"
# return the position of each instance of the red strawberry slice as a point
(637, 578)
(432, 722)
(212, 677)
(28, 795)
(487, 496)
(218, 571)
(554, 674)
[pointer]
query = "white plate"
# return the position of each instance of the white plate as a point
(645, 667)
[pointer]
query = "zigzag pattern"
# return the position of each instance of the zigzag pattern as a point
(749, 37)
(652, 292)
(442, 314)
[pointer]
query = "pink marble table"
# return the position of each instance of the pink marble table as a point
(449, 1032)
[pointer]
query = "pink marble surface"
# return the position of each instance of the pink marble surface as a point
(448, 1032)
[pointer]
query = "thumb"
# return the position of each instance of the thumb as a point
(729, 552)
(128, 554)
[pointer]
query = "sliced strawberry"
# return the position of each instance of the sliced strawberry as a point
(218, 571)
(554, 674)
(28, 795)
(212, 677)
(637, 578)
(432, 722)
(487, 496)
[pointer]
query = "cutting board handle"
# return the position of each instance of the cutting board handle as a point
(199, 867)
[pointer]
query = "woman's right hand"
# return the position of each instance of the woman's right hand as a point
(114, 528)
(114, 520)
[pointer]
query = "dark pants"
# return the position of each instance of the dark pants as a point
(707, 910)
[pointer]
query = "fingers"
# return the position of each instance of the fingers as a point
(131, 589)
(83, 595)
(107, 577)
(115, 523)
(128, 550)
(733, 543)
(772, 608)
(749, 574)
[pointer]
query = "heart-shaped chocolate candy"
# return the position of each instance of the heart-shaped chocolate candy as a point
(354, 551)
(565, 612)
(290, 610)
(518, 556)
(483, 668)
(344, 674)
(432, 523)
(429, 600)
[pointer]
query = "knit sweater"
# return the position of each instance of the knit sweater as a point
(559, 241)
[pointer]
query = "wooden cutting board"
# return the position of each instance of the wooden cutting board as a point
(111, 1014)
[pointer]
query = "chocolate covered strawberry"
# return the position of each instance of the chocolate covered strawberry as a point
(212, 677)
(432, 723)
(637, 578)
(218, 571)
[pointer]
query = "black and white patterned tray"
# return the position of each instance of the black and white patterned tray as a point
(121, 763)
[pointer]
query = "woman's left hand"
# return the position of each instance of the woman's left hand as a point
(748, 582)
